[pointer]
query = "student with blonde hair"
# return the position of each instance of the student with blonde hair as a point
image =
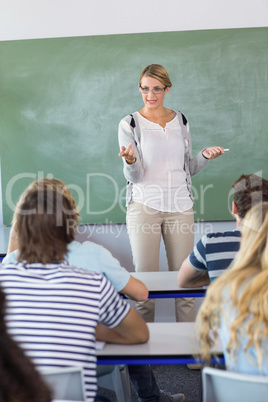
(236, 302)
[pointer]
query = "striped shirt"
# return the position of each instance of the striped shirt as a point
(215, 251)
(53, 310)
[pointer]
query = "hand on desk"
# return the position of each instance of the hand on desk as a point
(188, 277)
(132, 329)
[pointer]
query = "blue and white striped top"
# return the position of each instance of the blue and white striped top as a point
(214, 252)
(53, 310)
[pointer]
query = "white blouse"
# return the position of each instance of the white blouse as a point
(164, 184)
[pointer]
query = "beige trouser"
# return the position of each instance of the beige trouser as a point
(145, 227)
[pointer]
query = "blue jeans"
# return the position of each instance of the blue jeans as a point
(101, 398)
(143, 379)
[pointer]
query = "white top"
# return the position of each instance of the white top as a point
(164, 183)
(241, 361)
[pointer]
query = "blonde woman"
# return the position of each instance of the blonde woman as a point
(156, 150)
(237, 302)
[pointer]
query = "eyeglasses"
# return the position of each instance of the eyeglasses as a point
(155, 91)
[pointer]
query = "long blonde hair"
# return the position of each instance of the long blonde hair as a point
(247, 281)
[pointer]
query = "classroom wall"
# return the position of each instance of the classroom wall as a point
(59, 18)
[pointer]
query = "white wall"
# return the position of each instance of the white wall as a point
(115, 238)
(29, 19)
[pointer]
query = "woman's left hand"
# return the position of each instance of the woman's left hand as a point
(213, 152)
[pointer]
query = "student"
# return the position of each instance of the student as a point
(215, 251)
(155, 146)
(86, 255)
(97, 258)
(20, 381)
(54, 309)
(236, 302)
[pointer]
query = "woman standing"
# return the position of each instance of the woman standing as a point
(155, 144)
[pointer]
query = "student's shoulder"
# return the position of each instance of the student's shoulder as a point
(68, 269)
(12, 266)
(76, 246)
(10, 258)
(88, 249)
(224, 235)
(84, 255)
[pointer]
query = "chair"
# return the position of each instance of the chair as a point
(228, 386)
(66, 383)
(115, 378)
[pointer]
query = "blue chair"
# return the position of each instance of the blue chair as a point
(228, 386)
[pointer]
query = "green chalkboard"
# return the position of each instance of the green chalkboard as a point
(62, 100)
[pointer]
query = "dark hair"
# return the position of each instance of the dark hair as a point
(20, 380)
(249, 190)
(46, 224)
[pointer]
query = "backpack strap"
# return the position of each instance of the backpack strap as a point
(184, 120)
(132, 122)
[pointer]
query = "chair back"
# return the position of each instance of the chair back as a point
(66, 383)
(227, 386)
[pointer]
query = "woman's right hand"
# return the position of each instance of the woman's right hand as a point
(128, 153)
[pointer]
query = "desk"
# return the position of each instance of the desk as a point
(169, 343)
(4, 238)
(164, 285)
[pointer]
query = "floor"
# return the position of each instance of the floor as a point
(171, 378)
